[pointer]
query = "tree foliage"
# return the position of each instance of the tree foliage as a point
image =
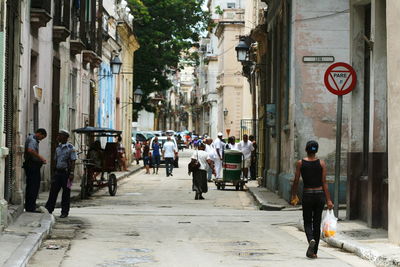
(165, 29)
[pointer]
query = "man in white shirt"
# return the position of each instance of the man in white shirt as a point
(211, 153)
(246, 147)
(219, 150)
(169, 153)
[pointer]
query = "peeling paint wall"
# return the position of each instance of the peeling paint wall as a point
(320, 28)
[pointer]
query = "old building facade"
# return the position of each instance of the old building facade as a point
(51, 51)
(293, 104)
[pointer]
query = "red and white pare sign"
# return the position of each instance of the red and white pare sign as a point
(340, 78)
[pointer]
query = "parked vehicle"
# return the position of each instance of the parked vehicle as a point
(162, 140)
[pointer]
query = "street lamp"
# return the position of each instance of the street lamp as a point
(116, 64)
(225, 112)
(242, 50)
(137, 95)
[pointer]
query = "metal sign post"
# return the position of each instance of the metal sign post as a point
(340, 79)
(338, 153)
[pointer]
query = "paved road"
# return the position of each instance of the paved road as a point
(155, 221)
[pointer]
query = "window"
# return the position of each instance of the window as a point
(231, 5)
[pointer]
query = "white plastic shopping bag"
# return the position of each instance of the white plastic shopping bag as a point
(329, 224)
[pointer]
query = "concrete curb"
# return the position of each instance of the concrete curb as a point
(263, 205)
(31, 243)
(363, 252)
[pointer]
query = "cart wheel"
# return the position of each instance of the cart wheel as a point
(241, 187)
(112, 184)
(218, 186)
(222, 186)
(237, 187)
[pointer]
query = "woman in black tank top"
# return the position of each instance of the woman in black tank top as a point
(315, 194)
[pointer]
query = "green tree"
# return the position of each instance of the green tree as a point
(165, 29)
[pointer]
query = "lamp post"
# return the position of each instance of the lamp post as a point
(137, 95)
(116, 64)
(242, 50)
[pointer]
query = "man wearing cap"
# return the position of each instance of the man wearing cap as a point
(65, 158)
(32, 164)
(219, 145)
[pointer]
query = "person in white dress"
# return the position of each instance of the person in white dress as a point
(246, 147)
(199, 184)
(219, 150)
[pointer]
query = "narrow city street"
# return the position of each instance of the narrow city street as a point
(155, 221)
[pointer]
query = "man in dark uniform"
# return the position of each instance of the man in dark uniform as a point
(65, 158)
(32, 164)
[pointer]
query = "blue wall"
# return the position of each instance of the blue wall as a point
(106, 98)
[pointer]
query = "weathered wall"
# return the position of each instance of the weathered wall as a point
(393, 47)
(315, 108)
(317, 28)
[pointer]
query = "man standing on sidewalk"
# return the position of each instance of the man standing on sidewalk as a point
(33, 163)
(63, 174)
(169, 153)
(246, 147)
(219, 150)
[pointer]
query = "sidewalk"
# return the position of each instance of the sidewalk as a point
(20, 240)
(352, 236)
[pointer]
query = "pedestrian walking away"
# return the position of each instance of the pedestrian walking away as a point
(121, 154)
(199, 182)
(169, 153)
(138, 152)
(156, 155)
(246, 147)
(32, 164)
(63, 177)
(146, 156)
(315, 193)
(219, 150)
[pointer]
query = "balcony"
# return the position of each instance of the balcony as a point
(89, 56)
(61, 21)
(40, 13)
(76, 46)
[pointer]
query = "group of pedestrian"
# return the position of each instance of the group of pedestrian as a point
(152, 155)
(209, 157)
(65, 157)
(215, 150)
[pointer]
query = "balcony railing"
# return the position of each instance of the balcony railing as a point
(62, 13)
